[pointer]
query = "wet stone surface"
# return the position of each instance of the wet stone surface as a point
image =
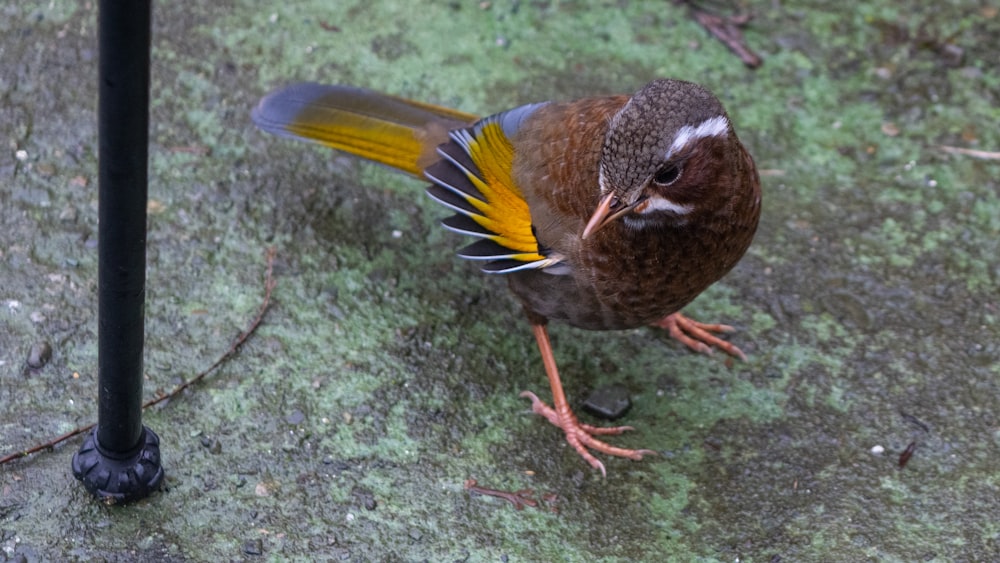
(387, 370)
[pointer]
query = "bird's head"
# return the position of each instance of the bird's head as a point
(670, 155)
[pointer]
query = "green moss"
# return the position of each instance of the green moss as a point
(387, 368)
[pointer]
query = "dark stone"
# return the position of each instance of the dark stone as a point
(39, 354)
(254, 547)
(609, 402)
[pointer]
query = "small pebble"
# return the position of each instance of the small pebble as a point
(68, 214)
(296, 417)
(253, 547)
(878, 450)
(953, 55)
(609, 402)
(39, 354)
(366, 498)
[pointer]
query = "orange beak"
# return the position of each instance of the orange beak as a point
(604, 215)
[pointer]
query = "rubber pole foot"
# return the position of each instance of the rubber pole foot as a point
(119, 478)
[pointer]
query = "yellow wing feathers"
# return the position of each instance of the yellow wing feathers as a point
(475, 179)
(504, 211)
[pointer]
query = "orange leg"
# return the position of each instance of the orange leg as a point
(698, 336)
(580, 436)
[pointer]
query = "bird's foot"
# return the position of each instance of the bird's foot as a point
(698, 336)
(581, 436)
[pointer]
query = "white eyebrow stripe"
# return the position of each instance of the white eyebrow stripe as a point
(712, 127)
(657, 203)
(602, 184)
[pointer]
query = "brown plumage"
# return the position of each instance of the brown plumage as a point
(604, 213)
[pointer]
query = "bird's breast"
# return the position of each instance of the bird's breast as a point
(616, 283)
(622, 276)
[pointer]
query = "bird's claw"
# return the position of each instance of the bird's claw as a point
(581, 436)
(698, 336)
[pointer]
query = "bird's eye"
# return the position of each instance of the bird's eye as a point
(667, 175)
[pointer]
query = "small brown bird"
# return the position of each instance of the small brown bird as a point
(606, 213)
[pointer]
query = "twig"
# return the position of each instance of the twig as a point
(46, 446)
(727, 30)
(985, 155)
(519, 499)
(192, 149)
(242, 338)
(269, 284)
(915, 421)
(904, 457)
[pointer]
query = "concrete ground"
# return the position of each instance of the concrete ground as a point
(387, 371)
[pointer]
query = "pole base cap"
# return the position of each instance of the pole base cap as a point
(119, 479)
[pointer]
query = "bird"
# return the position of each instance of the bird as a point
(605, 213)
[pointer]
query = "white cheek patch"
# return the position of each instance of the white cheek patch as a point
(657, 203)
(712, 127)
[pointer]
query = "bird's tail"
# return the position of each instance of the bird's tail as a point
(393, 131)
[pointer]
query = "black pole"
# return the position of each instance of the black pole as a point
(120, 460)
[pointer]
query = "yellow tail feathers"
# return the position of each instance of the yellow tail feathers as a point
(393, 131)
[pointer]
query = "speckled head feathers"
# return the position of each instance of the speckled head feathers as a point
(656, 122)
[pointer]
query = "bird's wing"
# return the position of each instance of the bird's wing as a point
(474, 179)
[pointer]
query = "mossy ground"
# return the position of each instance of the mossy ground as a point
(387, 371)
